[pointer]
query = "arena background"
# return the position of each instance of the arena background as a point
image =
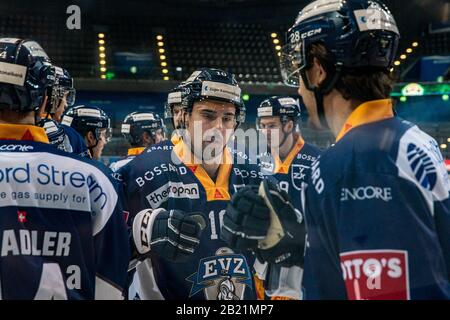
(126, 55)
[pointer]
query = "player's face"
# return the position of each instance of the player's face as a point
(213, 122)
(62, 104)
(159, 136)
(177, 113)
(102, 141)
(272, 129)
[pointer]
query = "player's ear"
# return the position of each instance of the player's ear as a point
(90, 139)
(317, 73)
(290, 126)
(42, 106)
(146, 138)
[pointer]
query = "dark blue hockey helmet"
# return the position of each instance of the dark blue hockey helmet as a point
(138, 122)
(87, 118)
(54, 131)
(356, 34)
(62, 87)
(286, 108)
(215, 84)
(173, 98)
(25, 74)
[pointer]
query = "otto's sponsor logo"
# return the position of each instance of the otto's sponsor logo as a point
(173, 190)
(16, 147)
(376, 275)
(366, 193)
(422, 166)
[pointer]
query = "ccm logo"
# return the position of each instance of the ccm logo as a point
(310, 33)
(376, 274)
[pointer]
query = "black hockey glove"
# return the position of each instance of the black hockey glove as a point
(173, 235)
(285, 241)
(246, 220)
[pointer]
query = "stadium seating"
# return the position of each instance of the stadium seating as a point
(72, 49)
(243, 49)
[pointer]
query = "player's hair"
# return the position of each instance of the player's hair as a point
(360, 84)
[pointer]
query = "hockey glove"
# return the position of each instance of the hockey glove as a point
(173, 235)
(285, 240)
(246, 220)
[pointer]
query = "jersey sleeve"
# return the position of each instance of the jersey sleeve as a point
(77, 142)
(111, 239)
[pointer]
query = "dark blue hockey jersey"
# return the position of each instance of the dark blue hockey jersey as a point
(63, 234)
(294, 171)
(292, 174)
(76, 141)
(378, 213)
(156, 179)
(64, 137)
(131, 154)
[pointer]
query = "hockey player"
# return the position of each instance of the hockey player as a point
(174, 195)
(93, 124)
(141, 130)
(289, 162)
(60, 94)
(377, 207)
(174, 110)
(62, 228)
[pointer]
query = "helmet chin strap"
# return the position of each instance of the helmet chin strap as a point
(323, 89)
(320, 107)
(285, 136)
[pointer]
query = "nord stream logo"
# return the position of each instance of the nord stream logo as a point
(173, 190)
(422, 166)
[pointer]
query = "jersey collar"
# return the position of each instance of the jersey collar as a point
(135, 151)
(23, 133)
(366, 113)
(215, 191)
(282, 167)
(175, 138)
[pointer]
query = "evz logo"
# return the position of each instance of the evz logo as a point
(222, 277)
(298, 175)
